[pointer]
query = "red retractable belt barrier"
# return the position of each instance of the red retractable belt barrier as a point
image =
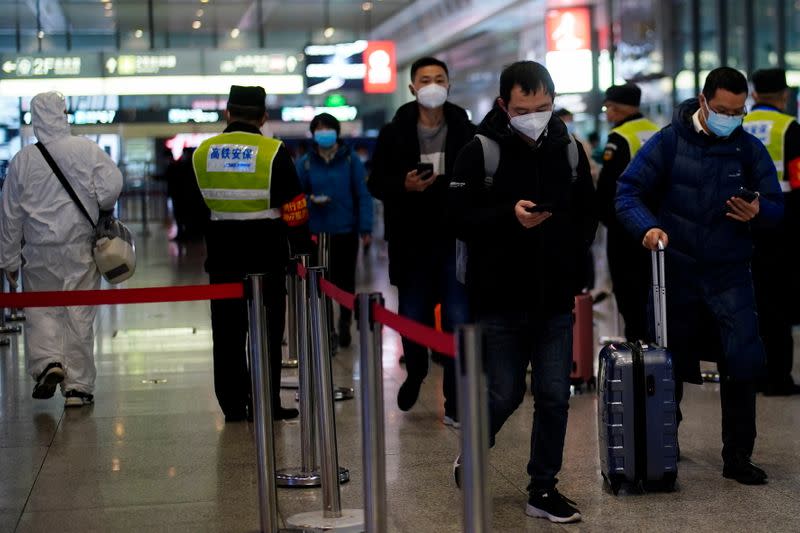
(443, 343)
(185, 293)
(345, 298)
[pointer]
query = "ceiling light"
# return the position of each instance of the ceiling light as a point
(235, 33)
(104, 1)
(40, 34)
(329, 31)
(366, 6)
(138, 34)
(196, 24)
(200, 12)
(203, 1)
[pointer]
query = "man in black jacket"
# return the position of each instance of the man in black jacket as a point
(527, 230)
(421, 251)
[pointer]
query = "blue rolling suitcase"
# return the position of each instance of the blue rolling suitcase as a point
(636, 411)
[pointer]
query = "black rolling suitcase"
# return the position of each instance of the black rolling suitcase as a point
(636, 411)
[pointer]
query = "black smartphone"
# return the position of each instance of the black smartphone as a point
(746, 195)
(425, 170)
(540, 208)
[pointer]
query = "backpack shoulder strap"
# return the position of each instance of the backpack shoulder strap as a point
(491, 154)
(573, 156)
(64, 182)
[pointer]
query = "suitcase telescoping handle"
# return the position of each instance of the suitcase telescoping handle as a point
(660, 295)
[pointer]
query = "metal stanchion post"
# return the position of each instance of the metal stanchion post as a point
(332, 517)
(17, 315)
(474, 416)
(5, 328)
(145, 227)
(372, 423)
(307, 475)
(291, 360)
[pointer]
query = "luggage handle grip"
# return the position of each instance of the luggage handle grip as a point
(659, 295)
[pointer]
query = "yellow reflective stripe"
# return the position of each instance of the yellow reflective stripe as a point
(770, 127)
(235, 194)
(636, 133)
(268, 214)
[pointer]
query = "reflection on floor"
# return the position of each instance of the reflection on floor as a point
(154, 454)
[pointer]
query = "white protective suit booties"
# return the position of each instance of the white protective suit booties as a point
(58, 249)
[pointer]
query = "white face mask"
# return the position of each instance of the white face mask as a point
(432, 95)
(531, 124)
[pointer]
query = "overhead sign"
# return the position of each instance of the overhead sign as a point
(250, 62)
(569, 49)
(178, 62)
(369, 66)
(307, 113)
(49, 66)
(182, 116)
(381, 61)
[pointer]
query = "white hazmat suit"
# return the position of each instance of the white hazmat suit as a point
(57, 247)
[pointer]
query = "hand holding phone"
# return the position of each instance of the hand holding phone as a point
(540, 208)
(746, 195)
(425, 170)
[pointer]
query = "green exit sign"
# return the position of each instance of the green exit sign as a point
(335, 100)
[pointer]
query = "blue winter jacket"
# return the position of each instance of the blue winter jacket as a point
(679, 182)
(343, 181)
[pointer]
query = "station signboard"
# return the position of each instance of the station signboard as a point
(250, 62)
(368, 66)
(49, 66)
(569, 49)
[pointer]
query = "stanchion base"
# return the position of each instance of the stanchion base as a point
(352, 520)
(10, 330)
(289, 363)
(5, 341)
(16, 317)
(296, 478)
(343, 393)
(290, 383)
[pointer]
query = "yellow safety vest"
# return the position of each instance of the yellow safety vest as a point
(770, 127)
(636, 133)
(234, 172)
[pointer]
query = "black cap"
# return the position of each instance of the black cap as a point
(247, 96)
(628, 94)
(769, 80)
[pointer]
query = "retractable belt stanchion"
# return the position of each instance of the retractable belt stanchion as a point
(291, 361)
(332, 517)
(262, 403)
(6, 329)
(307, 474)
(17, 315)
(474, 416)
(324, 246)
(372, 423)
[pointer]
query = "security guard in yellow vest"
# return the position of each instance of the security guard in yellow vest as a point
(258, 209)
(777, 251)
(628, 262)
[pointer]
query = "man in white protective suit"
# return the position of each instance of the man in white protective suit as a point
(40, 223)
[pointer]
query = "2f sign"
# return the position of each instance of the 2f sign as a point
(381, 62)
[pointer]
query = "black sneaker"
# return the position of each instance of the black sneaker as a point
(283, 413)
(408, 393)
(457, 471)
(345, 339)
(76, 398)
(745, 472)
(552, 505)
(48, 380)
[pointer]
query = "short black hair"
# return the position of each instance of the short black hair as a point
(428, 62)
(726, 78)
(327, 120)
(246, 113)
(529, 75)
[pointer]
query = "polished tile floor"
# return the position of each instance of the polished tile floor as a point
(154, 454)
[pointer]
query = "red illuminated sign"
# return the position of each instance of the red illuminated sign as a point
(569, 29)
(381, 67)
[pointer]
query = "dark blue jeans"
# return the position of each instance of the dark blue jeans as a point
(425, 284)
(513, 340)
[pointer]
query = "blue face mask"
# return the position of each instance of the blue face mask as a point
(722, 125)
(325, 138)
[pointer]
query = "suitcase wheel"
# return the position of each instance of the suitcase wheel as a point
(668, 483)
(615, 483)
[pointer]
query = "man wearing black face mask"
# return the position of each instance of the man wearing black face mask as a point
(527, 230)
(700, 186)
(430, 131)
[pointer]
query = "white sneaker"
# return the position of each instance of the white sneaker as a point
(450, 421)
(74, 398)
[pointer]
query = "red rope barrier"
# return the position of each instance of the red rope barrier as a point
(343, 297)
(185, 293)
(443, 343)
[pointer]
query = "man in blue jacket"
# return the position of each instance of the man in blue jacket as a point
(698, 186)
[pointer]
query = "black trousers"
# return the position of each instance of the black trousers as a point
(631, 277)
(229, 323)
(738, 401)
(344, 255)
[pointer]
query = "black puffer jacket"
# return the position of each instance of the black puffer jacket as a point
(510, 267)
(414, 221)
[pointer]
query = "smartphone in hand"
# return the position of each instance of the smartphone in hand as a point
(425, 170)
(746, 195)
(540, 208)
